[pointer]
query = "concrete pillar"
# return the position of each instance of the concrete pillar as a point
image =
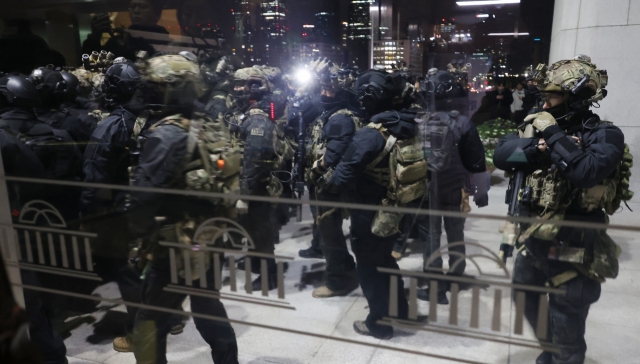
(609, 32)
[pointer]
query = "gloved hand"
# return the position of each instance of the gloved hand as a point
(242, 207)
(317, 170)
(481, 200)
(541, 120)
(101, 23)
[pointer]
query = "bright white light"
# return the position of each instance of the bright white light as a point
(304, 76)
(482, 15)
(487, 2)
(505, 34)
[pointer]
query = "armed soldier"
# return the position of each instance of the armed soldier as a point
(384, 165)
(573, 171)
(333, 132)
(265, 151)
(107, 160)
(180, 149)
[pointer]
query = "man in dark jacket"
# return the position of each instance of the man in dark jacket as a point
(577, 154)
(383, 98)
(500, 100)
(451, 165)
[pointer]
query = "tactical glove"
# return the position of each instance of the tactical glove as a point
(242, 207)
(541, 120)
(317, 170)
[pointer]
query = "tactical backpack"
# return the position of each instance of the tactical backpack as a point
(405, 178)
(443, 139)
(217, 166)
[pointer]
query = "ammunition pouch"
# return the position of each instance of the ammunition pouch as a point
(385, 223)
(545, 190)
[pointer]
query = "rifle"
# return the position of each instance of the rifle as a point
(297, 179)
(516, 197)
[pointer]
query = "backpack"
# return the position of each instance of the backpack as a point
(212, 163)
(405, 178)
(443, 139)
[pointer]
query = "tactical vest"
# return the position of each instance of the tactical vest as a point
(217, 166)
(405, 177)
(550, 195)
(316, 147)
(264, 151)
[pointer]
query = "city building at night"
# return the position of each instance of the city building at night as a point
(388, 52)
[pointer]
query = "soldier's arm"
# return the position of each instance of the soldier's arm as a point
(586, 166)
(339, 132)
(471, 149)
(364, 148)
(514, 152)
(106, 145)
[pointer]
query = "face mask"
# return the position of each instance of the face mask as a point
(327, 99)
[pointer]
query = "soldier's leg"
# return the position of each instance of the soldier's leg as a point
(454, 227)
(568, 314)
(151, 326)
(371, 253)
(334, 247)
(314, 251)
(218, 334)
(525, 273)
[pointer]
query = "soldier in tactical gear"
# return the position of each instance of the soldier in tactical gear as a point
(337, 125)
(107, 160)
(364, 174)
(575, 156)
(176, 153)
(33, 149)
(456, 165)
(57, 104)
(265, 151)
(305, 102)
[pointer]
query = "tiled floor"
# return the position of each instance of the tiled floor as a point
(613, 328)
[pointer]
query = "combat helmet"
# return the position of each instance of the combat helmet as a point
(578, 79)
(50, 84)
(18, 91)
(120, 82)
(171, 81)
(256, 80)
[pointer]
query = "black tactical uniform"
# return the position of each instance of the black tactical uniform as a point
(259, 137)
(582, 152)
(167, 149)
(58, 107)
(311, 109)
(372, 251)
(339, 124)
(447, 184)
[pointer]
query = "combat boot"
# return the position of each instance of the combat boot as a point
(123, 344)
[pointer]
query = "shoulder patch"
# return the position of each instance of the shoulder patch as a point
(257, 132)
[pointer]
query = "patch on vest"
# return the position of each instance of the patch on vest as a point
(257, 132)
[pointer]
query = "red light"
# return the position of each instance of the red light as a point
(15, 212)
(233, 28)
(273, 111)
(454, 19)
(198, 24)
(209, 24)
(442, 19)
(232, 10)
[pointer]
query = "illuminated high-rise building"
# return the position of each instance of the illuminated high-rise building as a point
(273, 49)
(359, 27)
